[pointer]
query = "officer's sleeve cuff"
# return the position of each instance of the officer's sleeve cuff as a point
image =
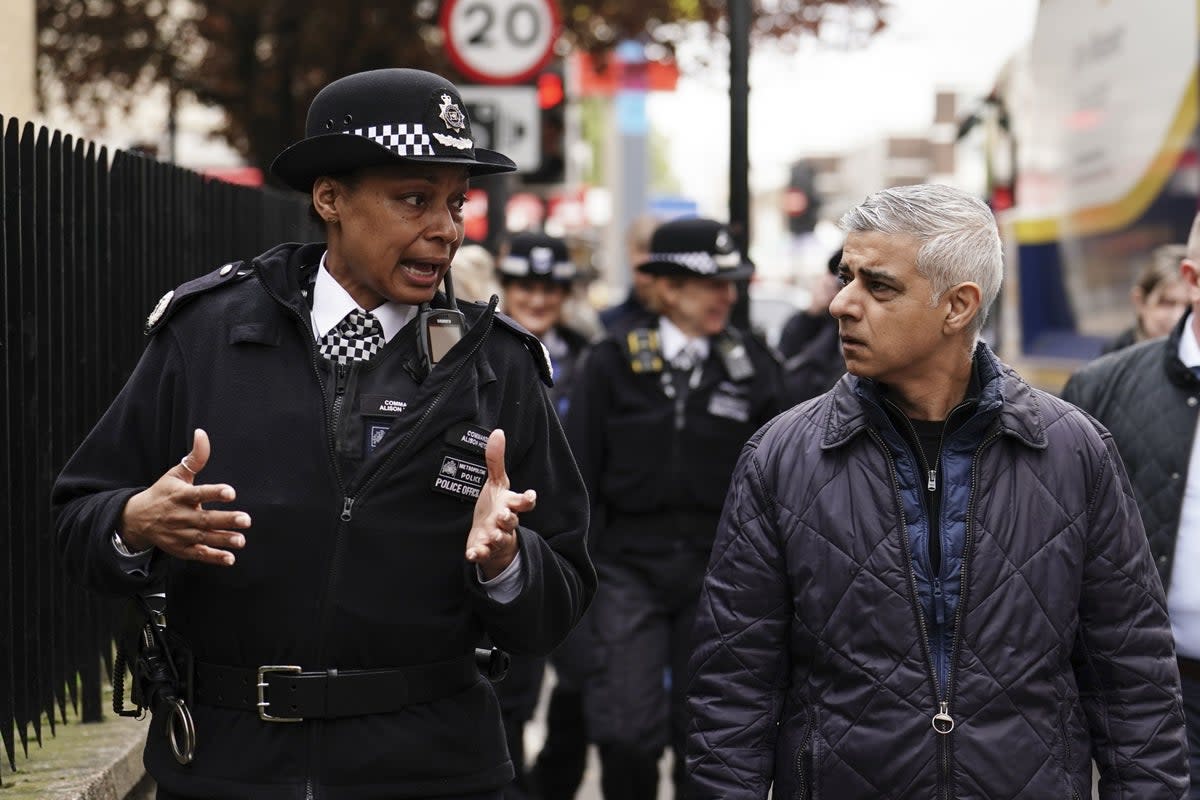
(138, 562)
(505, 587)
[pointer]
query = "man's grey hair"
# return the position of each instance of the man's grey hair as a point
(957, 235)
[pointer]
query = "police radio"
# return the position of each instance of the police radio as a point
(438, 329)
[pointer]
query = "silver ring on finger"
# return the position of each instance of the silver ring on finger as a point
(183, 462)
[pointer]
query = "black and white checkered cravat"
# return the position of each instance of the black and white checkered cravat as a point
(358, 337)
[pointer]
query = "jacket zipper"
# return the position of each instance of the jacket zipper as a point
(956, 643)
(802, 777)
(349, 500)
(341, 379)
(941, 721)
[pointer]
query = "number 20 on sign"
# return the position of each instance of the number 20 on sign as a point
(500, 41)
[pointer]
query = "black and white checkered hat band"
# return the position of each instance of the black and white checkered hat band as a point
(401, 139)
(701, 262)
(520, 267)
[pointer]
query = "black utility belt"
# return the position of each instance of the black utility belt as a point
(287, 693)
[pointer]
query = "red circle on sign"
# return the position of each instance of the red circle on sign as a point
(477, 71)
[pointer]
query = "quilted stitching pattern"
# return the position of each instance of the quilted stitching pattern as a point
(1130, 394)
(808, 619)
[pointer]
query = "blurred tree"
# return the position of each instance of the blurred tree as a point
(261, 61)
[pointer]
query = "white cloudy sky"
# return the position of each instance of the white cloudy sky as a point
(825, 100)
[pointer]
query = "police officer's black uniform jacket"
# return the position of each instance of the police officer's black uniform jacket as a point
(356, 555)
(657, 467)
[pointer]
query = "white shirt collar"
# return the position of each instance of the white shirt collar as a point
(331, 304)
(674, 340)
(1189, 348)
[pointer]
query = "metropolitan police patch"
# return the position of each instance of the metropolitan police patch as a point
(460, 478)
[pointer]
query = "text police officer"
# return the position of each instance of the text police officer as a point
(357, 458)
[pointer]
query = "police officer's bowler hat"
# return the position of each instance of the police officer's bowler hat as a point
(385, 116)
(536, 255)
(698, 248)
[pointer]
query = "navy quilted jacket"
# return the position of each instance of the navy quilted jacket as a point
(816, 661)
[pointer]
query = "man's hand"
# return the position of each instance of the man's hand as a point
(492, 543)
(170, 514)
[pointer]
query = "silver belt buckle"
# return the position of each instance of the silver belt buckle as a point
(262, 687)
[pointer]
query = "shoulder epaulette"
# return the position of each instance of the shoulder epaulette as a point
(170, 302)
(643, 349)
(537, 350)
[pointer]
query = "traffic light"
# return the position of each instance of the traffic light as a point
(552, 102)
(800, 202)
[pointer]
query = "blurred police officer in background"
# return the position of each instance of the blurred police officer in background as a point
(357, 440)
(658, 417)
(536, 274)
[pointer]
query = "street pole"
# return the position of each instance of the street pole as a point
(739, 141)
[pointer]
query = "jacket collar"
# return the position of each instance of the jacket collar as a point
(1177, 372)
(1003, 394)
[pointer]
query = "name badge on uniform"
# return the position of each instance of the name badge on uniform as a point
(460, 478)
(468, 437)
(377, 405)
(729, 406)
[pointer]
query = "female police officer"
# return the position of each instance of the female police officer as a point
(658, 418)
(354, 534)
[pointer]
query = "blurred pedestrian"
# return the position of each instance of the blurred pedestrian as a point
(1159, 297)
(1146, 395)
(657, 419)
(809, 344)
(536, 275)
(931, 581)
(640, 305)
(475, 274)
(355, 534)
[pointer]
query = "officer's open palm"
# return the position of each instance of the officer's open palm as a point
(170, 515)
(492, 543)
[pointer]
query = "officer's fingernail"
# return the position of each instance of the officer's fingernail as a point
(238, 541)
(531, 494)
(242, 520)
(227, 493)
(227, 559)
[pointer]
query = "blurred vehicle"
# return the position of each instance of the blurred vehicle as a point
(772, 305)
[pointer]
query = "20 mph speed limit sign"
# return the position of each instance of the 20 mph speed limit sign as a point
(500, 41)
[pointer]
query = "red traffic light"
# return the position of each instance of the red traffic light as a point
(549, 90)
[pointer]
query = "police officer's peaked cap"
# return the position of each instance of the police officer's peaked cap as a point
(695, 247)
(536, 255)
(385, 116)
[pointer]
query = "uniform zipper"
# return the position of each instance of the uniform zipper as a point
(349, 500)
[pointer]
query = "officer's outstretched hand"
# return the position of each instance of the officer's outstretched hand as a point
(492, 543)
(170, 514)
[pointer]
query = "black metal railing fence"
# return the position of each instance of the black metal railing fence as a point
(91, 239)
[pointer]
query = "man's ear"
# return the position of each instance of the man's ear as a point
(964, 300)
(1190, 272)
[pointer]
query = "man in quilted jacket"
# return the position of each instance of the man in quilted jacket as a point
(932, 581)
(1147, 395)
